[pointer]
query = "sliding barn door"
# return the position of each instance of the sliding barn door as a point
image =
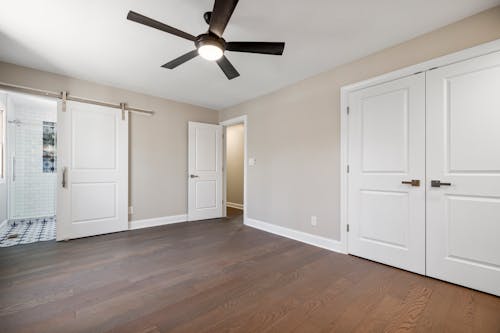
(386, 203)
(463, 172)
(205, 171)
(93, 170)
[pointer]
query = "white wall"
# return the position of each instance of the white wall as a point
(234, 163)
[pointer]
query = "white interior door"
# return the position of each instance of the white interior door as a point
(463, 152)
(93, 171)
(205, 171)
(386, 148)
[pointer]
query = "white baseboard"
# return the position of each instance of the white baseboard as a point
(234, 205)
(157, 221)
(325, 243)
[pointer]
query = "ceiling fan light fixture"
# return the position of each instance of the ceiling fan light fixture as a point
(211, 45)
(210, 52)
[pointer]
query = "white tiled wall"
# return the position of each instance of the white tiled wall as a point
(33, 193)
(3, 182)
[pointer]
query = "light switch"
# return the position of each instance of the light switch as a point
(314, 220)
(252, 161)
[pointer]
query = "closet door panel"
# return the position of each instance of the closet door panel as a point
(386, 148)
(463, 160)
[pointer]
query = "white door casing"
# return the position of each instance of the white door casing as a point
(386, 147)
(93, 162)
(204, 171)
(463, 149)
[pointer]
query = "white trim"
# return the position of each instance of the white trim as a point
(344, 161)
(3, 223)
(325, 243)
(234, 205)
(449, 59)
(157, 221)
(233, 121)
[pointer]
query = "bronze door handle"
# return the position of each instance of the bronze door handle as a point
(413, 182)
(438, 183)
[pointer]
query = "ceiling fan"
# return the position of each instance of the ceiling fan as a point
(211, 45)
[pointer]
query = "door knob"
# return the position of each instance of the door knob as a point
(438, 183)
(193, 176)
(413, 182)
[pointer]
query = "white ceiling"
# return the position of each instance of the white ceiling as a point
(92, 40)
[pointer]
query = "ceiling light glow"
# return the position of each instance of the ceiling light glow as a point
(210, 52)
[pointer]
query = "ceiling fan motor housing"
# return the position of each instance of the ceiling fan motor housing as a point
(210, 39)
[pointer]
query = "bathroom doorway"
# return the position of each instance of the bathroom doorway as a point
(28, 188)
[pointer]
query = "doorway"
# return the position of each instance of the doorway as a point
(208, 174)
(234, 148)
(235, 152)
(28, 182)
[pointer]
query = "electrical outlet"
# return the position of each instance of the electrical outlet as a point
(131, 210)
(314, 220)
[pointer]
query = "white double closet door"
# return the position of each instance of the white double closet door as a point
(424, 180)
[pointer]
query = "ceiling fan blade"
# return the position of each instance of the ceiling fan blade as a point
(182, 59)
(139, 18)
(227, 68)
(223, 9)
(256, 47)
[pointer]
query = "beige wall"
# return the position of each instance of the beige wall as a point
(294, 133)
(158, 144)
(234, 163)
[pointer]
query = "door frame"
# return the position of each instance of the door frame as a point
(226, 123)
(483, 49)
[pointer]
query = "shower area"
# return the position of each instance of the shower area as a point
(31, 169)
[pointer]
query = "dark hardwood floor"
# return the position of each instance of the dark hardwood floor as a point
(233, 212)
(219, 276)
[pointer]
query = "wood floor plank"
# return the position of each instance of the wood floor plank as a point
(220, 276)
